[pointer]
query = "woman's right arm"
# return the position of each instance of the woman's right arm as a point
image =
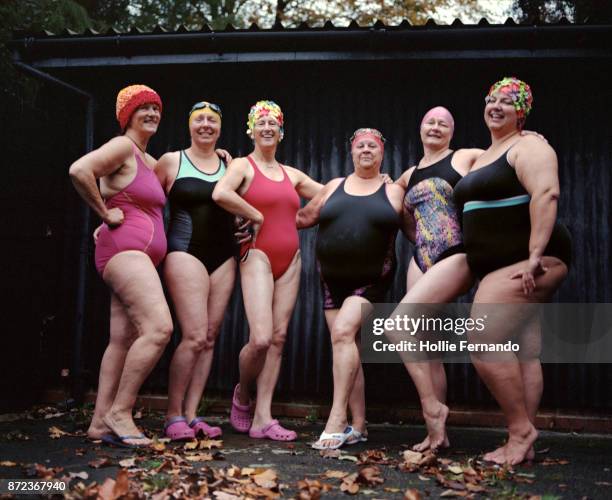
(226, 194)
(103, 161)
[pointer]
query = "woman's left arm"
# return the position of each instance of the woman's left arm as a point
(304, 185)
(536, 167)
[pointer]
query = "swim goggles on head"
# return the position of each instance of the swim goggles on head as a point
(203, 105)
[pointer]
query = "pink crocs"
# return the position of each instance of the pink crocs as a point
(240, 415)
(273, 431)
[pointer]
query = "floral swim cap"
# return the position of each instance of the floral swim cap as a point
(265, 108)
(521, 95)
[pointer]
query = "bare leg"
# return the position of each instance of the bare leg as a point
(188, 282)
(122, 334)
(346, 361)
(285, 294)
(221, 286)
(357, 403)
(441, 283)
(257, 293)
(505, 379)
(134, 280)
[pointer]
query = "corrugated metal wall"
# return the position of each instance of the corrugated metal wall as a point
(323, 104)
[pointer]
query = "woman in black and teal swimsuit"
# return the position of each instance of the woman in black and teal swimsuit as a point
(200, 267)
(438, 271)
(518, 251)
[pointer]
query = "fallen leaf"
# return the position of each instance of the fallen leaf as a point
(100, 462)
(199, 457)
(370, 475)
(543, 450)
(210, 443)
(7, 463)
(423, 478)
(335, 474)
(81, 475)
(350, 458)
(222, 495)
(412, 494)
(106, 490)
(455, 469)
(56, 432)
(158, 446)
(603, 483)
(138, 414)
(266, 479)
(79, 452)
(128, 462)
(453, 493)
(391, 490)
(412, 457)
(191, 445)
(349, 484)
(330, 453)
(122, 485)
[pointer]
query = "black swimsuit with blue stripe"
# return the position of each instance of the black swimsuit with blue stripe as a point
(496, 220)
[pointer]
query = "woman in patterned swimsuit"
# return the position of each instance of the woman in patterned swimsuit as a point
(438, 271)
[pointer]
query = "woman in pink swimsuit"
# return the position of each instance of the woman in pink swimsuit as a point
(267, 193)
(130, 244)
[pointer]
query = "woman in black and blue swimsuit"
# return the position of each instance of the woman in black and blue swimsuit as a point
(200, 267)
(519, 252)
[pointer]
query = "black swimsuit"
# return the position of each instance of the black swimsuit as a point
(429, 196)
(356, 246)
(496, 220)
(198, 225)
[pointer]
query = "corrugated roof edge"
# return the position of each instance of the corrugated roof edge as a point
(278, 27)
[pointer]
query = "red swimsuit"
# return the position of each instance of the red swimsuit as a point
(142, 202)
(279, 202)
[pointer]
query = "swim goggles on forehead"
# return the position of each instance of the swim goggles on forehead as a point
(203, 105)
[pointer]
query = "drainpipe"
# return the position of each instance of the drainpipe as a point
(77, 385)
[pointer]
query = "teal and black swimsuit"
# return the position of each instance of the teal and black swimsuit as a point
(496, 220)
(198, 225)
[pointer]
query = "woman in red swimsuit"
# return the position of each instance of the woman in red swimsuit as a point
(130, 244)
(267, 193)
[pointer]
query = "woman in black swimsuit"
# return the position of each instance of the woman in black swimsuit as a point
(518, 250)
(358, 219)
(200, 267)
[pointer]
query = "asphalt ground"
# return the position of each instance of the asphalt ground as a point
(32, 445)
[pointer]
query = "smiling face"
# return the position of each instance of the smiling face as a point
(436, 132)
(145, 119)
(366, 153)
(266, 131)
(500, 112)
(204, 127)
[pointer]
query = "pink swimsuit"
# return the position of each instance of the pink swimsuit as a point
(142, 202)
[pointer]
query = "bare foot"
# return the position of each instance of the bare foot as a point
(498, 455)
(519, 445)
(436, 426)
(123, 425)
(424, 445)
(530, 454)
(333, 427)
(97, 429)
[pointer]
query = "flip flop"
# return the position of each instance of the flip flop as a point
(273, 431)
(200, 427)
(356, 437)
(341, 437)
(177, 429)
(240, 415)
(114, 440)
